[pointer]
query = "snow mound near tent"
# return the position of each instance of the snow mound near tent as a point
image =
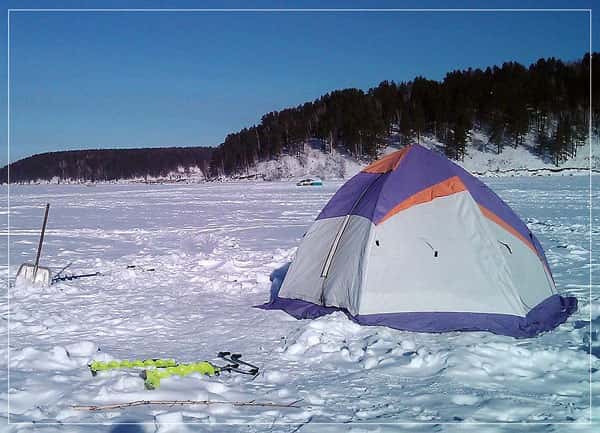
(335, 339)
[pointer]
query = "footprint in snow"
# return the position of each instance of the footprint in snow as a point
(275, 377)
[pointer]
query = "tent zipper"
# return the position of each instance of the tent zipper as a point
(334, 246)
(338, 237)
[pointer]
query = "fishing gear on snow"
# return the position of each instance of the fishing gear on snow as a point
(58, 277)
(234, 358)
(157, 369)
(74, 277)
(96, 366)
(59, 273)
(153, 377)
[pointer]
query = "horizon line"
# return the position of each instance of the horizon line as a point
(301, 10)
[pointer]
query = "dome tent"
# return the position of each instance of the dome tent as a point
(414, 242)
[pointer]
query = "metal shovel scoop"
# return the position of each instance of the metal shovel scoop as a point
(36, 274)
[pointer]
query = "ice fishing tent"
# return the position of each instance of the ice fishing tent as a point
(415, 242)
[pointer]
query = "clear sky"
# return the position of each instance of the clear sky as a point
(134, 79)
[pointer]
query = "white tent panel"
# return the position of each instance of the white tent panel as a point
(438, 256)
(344, 280)
(532, 281)
(303, 279)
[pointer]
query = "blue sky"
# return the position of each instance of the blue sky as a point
(91, 80)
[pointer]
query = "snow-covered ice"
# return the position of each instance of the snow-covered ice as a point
(212, 248)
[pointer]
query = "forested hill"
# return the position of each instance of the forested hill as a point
(548, 99)
(109, 164)
(547, 102)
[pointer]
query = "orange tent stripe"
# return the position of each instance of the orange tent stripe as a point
(387, 163)
(492, 216)
(445, 188)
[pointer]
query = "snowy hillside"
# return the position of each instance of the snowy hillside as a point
(312, 162)
(191, 174)
(481, 160)
(203, 256)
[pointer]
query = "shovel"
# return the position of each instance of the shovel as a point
(36, 274)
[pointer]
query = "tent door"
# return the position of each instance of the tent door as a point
(334, 246)
(339, 235)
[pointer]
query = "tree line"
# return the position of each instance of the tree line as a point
(549, 99)
(107, 164)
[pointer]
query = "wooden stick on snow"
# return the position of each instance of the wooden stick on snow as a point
(182, 402)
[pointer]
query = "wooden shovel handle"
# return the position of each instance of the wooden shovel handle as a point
(39, 250)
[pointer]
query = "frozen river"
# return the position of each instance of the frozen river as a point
(212, 248)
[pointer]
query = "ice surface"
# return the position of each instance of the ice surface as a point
(212, 248)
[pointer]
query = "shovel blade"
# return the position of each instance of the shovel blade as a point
(27, 275)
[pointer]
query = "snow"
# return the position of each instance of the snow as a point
(309, 163)
(212, 247)
(189, 174)
(481, 159)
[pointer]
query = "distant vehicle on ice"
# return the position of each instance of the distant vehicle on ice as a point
(310, 182)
